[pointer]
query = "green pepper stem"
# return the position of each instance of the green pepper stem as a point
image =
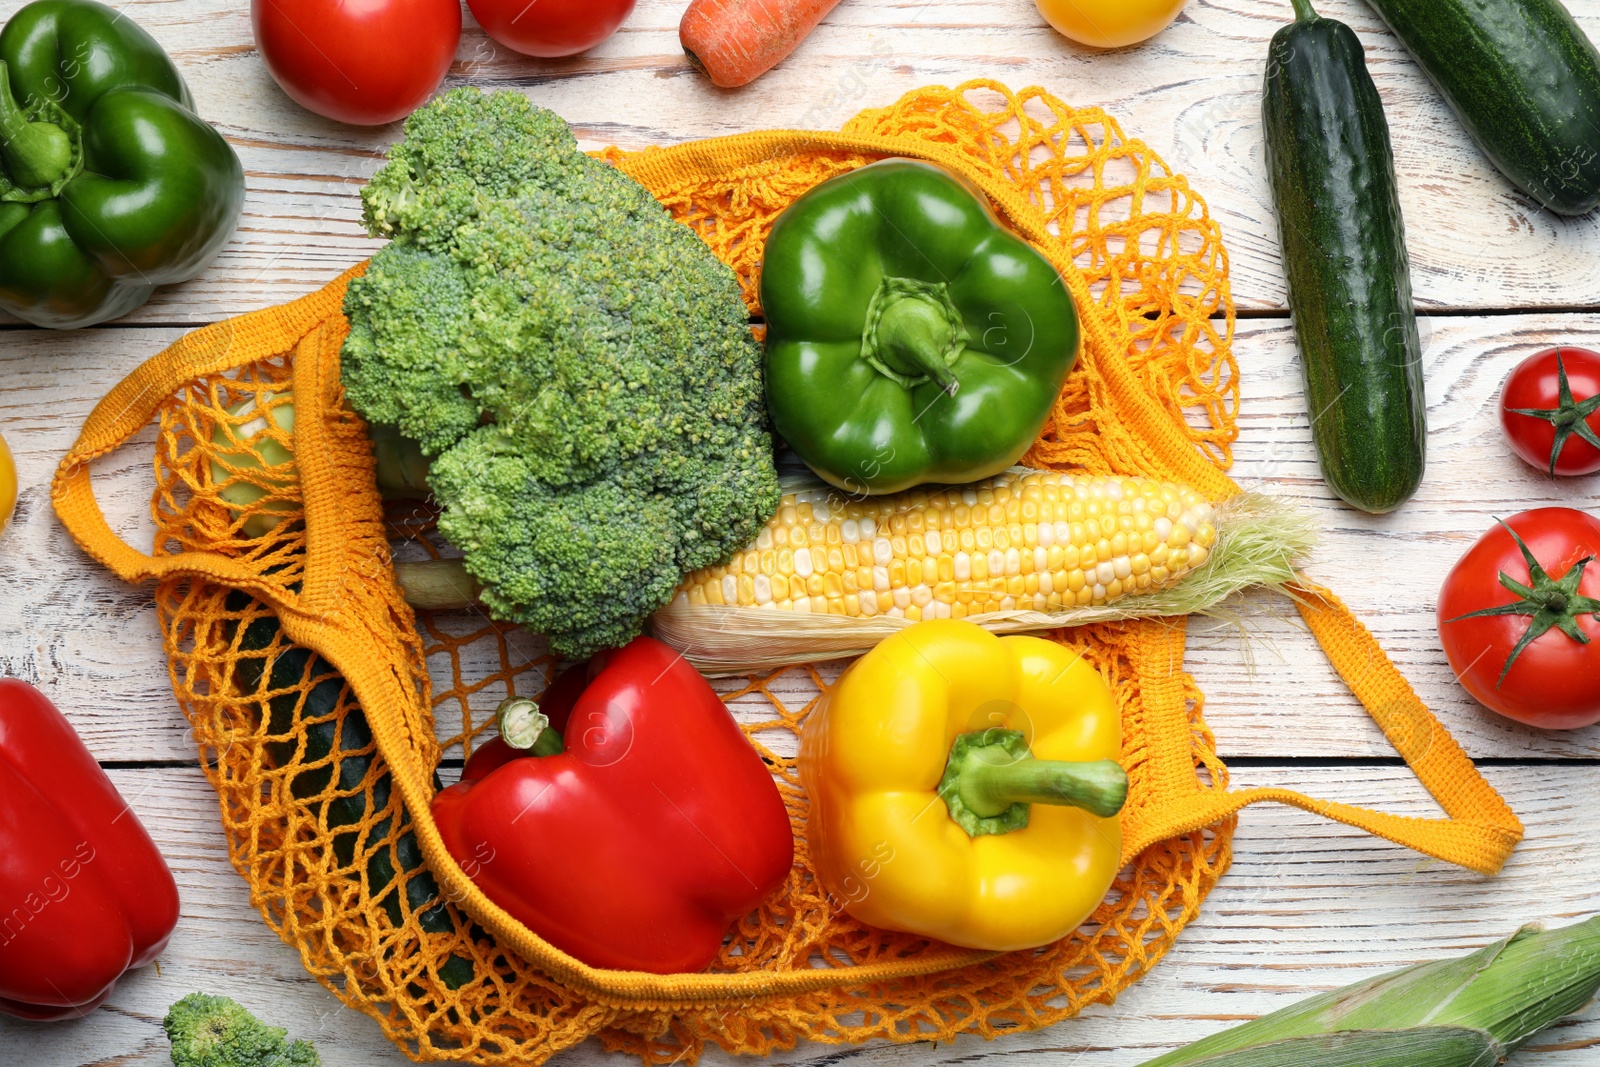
(917, 332)
(989, 788)
(524, 726)
(1303, 11)
(36, 154)
(913, 333)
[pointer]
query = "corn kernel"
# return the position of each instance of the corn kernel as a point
(1043, 541)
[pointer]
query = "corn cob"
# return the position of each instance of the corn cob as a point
(1464, 1011)
(1040, 541)
(832, 575)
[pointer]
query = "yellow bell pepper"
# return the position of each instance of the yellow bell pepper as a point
(964, 787)
(8, 484)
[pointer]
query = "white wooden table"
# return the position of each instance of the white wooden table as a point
(1309, 905)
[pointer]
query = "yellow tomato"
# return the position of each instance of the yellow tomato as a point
(8, 484)
(1109, 23)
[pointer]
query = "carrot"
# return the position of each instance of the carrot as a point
(734, 42)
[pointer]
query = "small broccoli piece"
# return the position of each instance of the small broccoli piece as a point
(577, 365)
(210, 1031)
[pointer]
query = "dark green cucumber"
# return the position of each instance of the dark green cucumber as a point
(349, 741)
(1525, 82)
(1344, 251)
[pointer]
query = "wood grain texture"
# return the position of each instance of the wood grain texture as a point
(1193, 94)
(1308, 906)
(92, 643)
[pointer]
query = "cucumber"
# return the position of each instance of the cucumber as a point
(1525, 82)
(1344, 251)
(348, 739)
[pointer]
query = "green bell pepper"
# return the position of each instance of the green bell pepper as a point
(110, 184)
(911, 337)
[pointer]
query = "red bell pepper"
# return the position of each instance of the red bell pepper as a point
(84, 895)
(649, 830)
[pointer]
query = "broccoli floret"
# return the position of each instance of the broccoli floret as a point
(577, 365)
(210, 1031)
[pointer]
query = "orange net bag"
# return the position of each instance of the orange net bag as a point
(323, 706)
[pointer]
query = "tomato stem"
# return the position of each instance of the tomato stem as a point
(1549, 603)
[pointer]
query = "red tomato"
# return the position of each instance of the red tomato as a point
(1536, 413)
(1554, 681)
(365, 62)
(550, 27)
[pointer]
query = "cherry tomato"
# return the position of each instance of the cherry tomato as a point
(1552, 424)
(1527, 654)
(550, 27)
(1109, 23)
(365, 62)
(8, 484)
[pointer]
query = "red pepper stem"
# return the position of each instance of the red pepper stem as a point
(524, 726)
(992, 780)
(36, 154)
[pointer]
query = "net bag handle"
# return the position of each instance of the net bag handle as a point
(130, 406)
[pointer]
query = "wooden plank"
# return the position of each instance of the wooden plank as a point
(1308, 906)
(1192, 94)
(91, 642)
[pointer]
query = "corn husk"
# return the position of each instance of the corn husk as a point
(1467, 1011)
(1261, 541)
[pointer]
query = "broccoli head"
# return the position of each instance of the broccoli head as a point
(577, 365)
(210, 1031)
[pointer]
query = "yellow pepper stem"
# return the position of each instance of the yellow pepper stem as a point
(992, 779)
